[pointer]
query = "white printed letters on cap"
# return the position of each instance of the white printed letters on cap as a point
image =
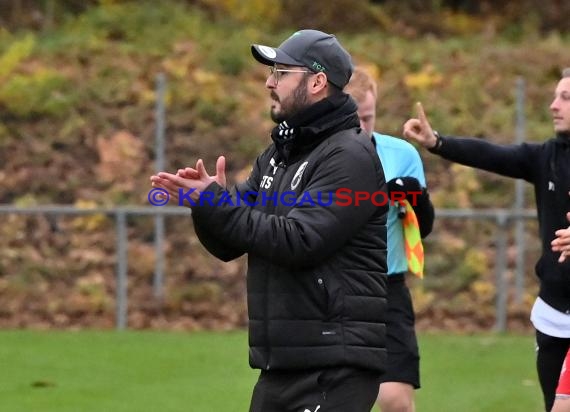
(268, 52)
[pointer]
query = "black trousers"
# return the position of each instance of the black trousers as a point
(327, 390)
(551, 352)
(403, 354)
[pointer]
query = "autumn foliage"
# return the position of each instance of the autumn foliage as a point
(77, 127)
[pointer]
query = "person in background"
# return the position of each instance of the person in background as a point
(404, 172)
(562, 398)
(547, 166)
(316, 277)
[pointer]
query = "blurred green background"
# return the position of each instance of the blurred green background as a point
(77, 126)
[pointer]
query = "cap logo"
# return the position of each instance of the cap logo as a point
(318, 67)
(268, 52)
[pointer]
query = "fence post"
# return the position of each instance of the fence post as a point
(519, 196)
(122, 256)
(501, 267)
(158, 279)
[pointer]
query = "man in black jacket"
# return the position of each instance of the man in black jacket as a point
(316, 242)
(547, 167)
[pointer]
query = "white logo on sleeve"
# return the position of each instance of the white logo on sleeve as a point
(268, 52)
(298, 175)
(318, 407)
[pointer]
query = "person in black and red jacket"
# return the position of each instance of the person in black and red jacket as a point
(547, 166)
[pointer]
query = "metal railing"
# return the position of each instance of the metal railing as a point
(120, 215)
(501, 217)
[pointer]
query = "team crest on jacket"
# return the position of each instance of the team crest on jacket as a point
(273, 165)
(298, 175)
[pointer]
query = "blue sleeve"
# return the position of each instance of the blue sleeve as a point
(399, 158)
(413, 165)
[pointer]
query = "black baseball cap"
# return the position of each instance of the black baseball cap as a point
(313, 49)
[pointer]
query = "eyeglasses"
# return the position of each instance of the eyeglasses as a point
(276, 73)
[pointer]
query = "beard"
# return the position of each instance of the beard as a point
(292, 104)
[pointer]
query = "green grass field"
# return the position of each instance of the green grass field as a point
(208, 372)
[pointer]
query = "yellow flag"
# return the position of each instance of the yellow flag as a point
(413, 242)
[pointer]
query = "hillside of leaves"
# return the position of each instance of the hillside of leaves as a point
(77, 127)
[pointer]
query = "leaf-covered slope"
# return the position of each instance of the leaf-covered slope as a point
(77, 126)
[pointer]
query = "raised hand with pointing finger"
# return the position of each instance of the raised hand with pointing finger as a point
(419, 129)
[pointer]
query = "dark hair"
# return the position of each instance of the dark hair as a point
(334, 89)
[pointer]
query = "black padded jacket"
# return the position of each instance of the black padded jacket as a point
(316, 278)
